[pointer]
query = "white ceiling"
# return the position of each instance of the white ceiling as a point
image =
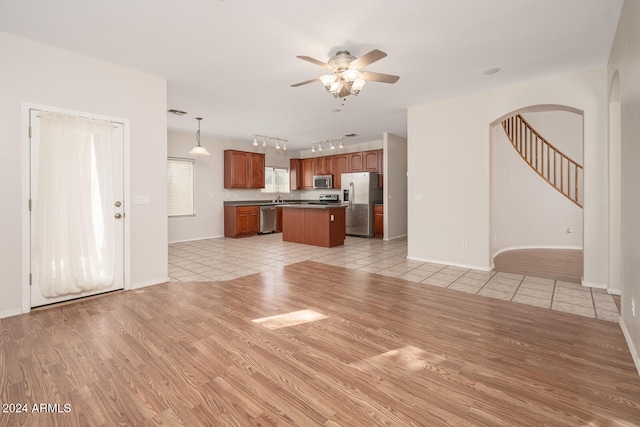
(232, 61)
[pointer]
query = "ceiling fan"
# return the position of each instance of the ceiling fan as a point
(348, 77)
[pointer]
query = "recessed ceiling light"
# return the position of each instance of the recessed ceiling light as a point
(177, 112)
(491, 71)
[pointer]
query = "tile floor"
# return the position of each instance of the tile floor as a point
(226, 259)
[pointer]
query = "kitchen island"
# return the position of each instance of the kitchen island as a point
(318, 225)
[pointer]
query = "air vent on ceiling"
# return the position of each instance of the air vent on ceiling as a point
(351, 135)
(177, 112)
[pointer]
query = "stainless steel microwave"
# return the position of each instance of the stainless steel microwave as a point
(323, 181)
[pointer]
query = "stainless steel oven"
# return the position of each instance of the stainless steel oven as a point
(323, 181)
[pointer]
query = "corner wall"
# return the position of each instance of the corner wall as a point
(395, 186)
(449, 176)
(41, 74)
(625, 60)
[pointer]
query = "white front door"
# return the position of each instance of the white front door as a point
(77, 209)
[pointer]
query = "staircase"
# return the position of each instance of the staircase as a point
(555, 167)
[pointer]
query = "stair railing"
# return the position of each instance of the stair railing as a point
(559, 170)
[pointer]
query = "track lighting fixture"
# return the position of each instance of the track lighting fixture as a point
(266, 138)
(329, 141)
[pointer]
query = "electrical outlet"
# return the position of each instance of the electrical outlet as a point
(464, 246)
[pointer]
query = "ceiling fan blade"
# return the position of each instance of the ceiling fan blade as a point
(314, 61)
(367, 58)
(379, 77)
(306, 82)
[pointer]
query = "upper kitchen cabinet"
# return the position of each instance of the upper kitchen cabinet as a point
(370, 161)
(301, 171)
(307, 172)
(295, 174)
(355, 162)
(323, 165)
(243, 169)
(340, 166)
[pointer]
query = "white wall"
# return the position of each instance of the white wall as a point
(41, 74)
(625, 60)
(395, 186)
(521, 201)
(449, 161)
(561, 128)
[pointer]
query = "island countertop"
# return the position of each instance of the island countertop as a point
(313, 206)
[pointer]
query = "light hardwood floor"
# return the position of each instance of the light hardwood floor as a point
(380, 351)
(557, 264)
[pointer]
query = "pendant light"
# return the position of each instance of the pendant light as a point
(199, 150)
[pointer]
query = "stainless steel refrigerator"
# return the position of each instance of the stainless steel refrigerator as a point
(359, 193)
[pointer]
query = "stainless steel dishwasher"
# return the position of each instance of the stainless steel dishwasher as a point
(267, 219)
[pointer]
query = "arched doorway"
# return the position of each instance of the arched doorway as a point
(533, 223)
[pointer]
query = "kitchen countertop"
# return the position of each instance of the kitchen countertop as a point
(263, 203)
(313, 206)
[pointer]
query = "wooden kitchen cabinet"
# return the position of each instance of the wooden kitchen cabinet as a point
(240, 221)
(340, 166)
(243, 169)
(278, 219)
(355, 162)
(378, 221)
(295, 174)
(322, 165)
(370, 161)
(306, 168)
(301, 171)
(313, 226)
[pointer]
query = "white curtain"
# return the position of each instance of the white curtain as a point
(73, 235)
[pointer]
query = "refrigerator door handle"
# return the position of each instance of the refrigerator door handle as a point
(352, 192)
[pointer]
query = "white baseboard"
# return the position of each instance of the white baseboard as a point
(632, 349)
(395, 237)
(593, 284)
(149, 283)
(196, 239)
(10, 313)
(614, 291)
(453, 264)
(516, 248)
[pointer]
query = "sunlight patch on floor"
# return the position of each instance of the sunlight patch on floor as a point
(290, 319)
(408, 358)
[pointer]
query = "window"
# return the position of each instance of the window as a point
(180, 183)
(276, 180)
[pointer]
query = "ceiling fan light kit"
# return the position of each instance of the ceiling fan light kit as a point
(348, 77)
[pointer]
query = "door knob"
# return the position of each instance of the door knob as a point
(117, 204)
(118, 215)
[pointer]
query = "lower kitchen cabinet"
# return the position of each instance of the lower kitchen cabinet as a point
(240, 221)
(313, 226)
(378, 221)
(278, 219)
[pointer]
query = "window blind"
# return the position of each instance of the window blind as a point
(180, 186)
